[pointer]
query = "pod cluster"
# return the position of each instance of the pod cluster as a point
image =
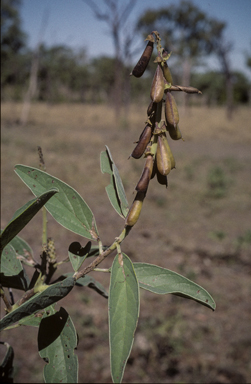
(162, 120)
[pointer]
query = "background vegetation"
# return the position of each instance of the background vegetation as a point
(63, 74)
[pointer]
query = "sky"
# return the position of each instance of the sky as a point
(72, 23)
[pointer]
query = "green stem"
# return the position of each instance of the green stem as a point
(44, 235)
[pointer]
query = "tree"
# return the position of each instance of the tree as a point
(222, 49)
(13, 40)
(62, 71)
(248, 63)
(212, 84)
(191, 31)
(115, 16)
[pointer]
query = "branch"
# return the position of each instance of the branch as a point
(126, 12)
(97, 11)
(103, 255)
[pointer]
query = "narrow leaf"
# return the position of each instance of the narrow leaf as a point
(162, 281)
(123, 304)
(39, 301)
(115, 190)
(57, 340)
(119, 186)
(24, 214)
(67, 207)
(78, 254)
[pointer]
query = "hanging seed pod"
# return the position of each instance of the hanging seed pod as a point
(141, 65)
(151, 108)
(163, 158)
(144, 139)
(157, 89)
(164, 138)
(167, 73)
(174, 133)
(146, 175)
(135, 210)
(171, 111)
(162, 180)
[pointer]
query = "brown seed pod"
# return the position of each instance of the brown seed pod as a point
(135, 210)
(171, 111)
(144, 139)
(146, 175)
(167, 73)
(174, 133)
(157, 89)
(141, 65)
(163, 158)
(151, 108)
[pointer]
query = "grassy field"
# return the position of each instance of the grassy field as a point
(199, 226)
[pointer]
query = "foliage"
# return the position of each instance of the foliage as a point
(212, 85)
(57, 337)
(67, 74)
(248, 57)
(183, 26)
(13, 41)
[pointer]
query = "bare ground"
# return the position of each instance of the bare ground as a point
(199, 226)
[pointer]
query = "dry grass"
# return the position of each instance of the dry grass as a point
(185, 228)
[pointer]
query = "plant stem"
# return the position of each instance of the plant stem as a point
(6, 302)
(101, 270)
(103, 255)
(44, 235)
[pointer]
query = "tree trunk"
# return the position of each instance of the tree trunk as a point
(229, 96)
(117, 89)
(186, 76)
(31, 90)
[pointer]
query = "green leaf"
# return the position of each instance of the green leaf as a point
(78, 254)
(20, 281)
(10, 265)
(89, 281)
(57, 340)
(123, 304)
(162, 281)
(115, 190)
(21, 247)
(67, 207)
(32, 321)
(39, 301)
(6, 367)
(24, 214)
